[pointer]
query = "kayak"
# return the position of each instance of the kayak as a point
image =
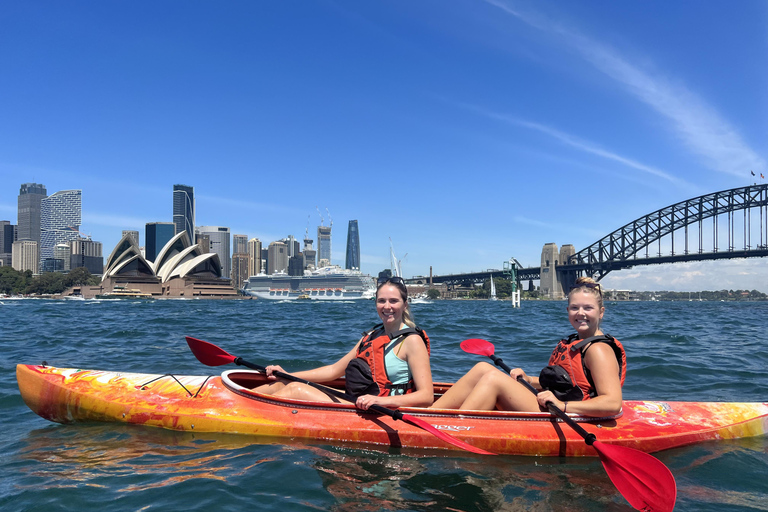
(227, 403)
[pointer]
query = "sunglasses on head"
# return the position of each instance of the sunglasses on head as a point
(393, 280)
(593, 286)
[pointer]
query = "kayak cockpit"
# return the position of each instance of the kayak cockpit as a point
(244, 383)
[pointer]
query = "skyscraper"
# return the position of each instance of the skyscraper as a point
(30, 197)
(156, 235)
(239, 244)
(26, 256)
(220, 244)
(134, 234)
(277, 260)
(184, 210)
(323, 246)
(310, 255)
(7, 237)
(60, 217)
(353, 246)
(239, 260)
(254, 257)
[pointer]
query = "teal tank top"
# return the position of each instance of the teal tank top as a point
(397, 369)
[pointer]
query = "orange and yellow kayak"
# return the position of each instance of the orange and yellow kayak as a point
(228, 404)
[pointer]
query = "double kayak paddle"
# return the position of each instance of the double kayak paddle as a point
(644, 481)
(211, 355)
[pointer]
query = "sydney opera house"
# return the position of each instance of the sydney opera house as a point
(180, 270)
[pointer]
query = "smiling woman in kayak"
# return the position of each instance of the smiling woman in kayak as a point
(584, 376)
(389, 366)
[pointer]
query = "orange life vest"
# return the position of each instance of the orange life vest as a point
(569, 355)
(371, 351)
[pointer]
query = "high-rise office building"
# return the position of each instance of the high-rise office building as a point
(254, 257)
(184, 210)
(239, 244)
(353, 246)
(26, 256)
(61, 214)
(220, 244)
(240, 260)
(87, 253)
(156, 235)
(310, 255)
(7, 237)
(323, 246)
(30, 197)
(134, 234)
(278, 258)
(62, 253)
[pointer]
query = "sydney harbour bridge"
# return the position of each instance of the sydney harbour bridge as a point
(721, 225)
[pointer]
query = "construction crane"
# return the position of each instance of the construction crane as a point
(322, 221)
(330, 220)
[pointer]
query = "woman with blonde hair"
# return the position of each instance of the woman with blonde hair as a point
(388, 367)
(584, 374)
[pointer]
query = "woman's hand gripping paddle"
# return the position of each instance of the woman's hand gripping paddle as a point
(644, 481)
(211, 355)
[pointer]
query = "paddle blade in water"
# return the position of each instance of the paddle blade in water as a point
(644, 481)
(444, 436)
(477, 346)
(208, 353)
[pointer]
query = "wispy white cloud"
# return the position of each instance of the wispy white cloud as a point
(583, 145)
(697, 124)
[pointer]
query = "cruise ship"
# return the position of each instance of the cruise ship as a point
(326, 283)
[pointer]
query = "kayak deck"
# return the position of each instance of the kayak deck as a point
(228, 404)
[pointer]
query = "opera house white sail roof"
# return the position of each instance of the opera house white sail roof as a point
(177, 259)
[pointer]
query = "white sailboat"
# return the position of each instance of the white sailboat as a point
(493, 289)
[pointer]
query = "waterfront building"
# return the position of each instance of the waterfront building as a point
(184, 210)
(25, 255)
(353, 247)
(156, 235)
(277, 260)
(323, 246)
(310, 255)
(254, 257)
(180, 270)
(87, 253)
(29, 211)
(61, 214)
(220, 244)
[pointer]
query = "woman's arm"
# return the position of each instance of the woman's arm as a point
(413, 352)
(601, 361)
(324, 373)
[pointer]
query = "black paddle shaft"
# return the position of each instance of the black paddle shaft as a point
(589, 438)
(325, 389)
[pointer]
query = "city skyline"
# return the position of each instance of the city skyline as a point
(466, 138)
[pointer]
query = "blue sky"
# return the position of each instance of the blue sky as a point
(467, 132)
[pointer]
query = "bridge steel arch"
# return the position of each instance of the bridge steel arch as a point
(622, 248)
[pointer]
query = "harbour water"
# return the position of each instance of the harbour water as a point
(697, 351)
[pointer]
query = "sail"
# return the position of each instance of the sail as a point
(493, 289)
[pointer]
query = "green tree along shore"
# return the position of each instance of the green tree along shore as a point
(13, 282)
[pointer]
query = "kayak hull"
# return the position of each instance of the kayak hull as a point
(227, 404)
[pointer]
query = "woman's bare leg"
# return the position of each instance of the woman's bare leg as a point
(496, 389)
(301, 391)
(458, 393)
